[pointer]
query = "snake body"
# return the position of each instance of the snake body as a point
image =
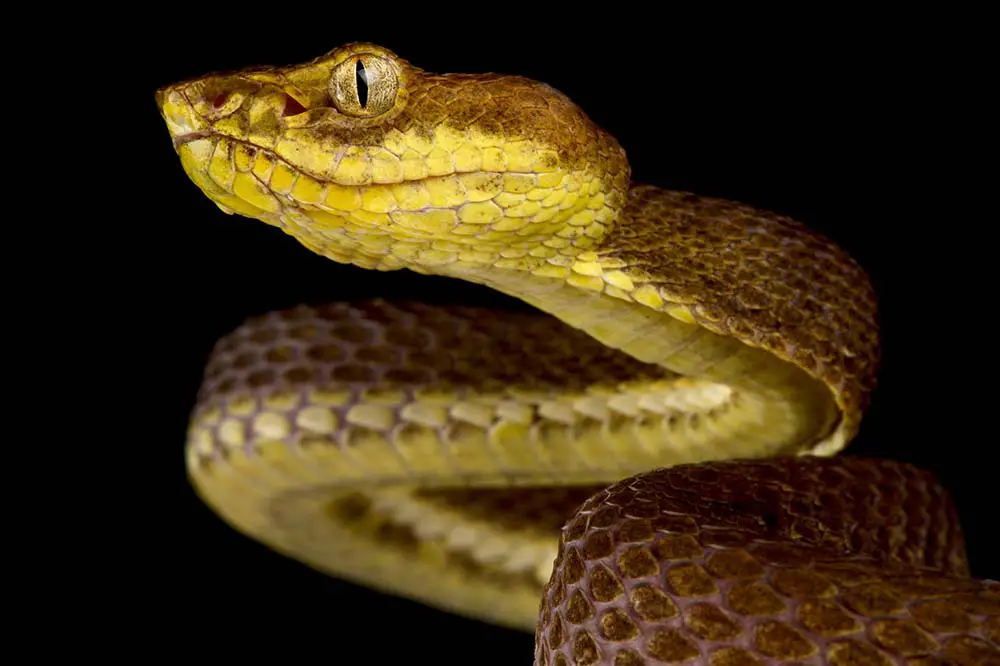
(643, 471)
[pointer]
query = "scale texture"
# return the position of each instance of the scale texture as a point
(663, 427)
(695, 563)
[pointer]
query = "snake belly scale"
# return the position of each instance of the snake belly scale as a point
(643, 470)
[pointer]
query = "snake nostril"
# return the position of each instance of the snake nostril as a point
(220, 100)
(292, 107)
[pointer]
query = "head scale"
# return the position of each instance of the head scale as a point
(369, 160)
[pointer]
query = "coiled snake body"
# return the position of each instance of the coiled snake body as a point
(443, 454)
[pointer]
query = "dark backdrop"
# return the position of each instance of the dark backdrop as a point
(808, 123)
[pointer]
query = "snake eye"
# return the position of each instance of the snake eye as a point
(364, 86)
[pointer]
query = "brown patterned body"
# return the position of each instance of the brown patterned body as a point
(763, 279)
(748, 563)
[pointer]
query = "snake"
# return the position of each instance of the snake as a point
(641, 465)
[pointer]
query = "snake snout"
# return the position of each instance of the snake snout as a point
(179, 114)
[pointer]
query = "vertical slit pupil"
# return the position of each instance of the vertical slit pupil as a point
(362, 75)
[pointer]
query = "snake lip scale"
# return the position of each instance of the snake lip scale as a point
(190, 136)
(644, 469)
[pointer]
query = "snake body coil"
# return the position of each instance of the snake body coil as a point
(437, 453)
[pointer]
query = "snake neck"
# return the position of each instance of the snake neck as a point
(575, 250)
(504, 181)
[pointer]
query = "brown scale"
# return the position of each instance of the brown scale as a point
(403, 345)
(688, 563)
(798, 296)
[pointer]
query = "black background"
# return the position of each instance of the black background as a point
(809, 122)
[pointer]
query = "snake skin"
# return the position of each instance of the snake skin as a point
(694, 562)
(434, 453)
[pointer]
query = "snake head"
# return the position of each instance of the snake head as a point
(369, 160)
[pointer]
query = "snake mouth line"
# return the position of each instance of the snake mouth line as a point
(188, 137)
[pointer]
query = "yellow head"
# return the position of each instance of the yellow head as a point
(369, 160)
